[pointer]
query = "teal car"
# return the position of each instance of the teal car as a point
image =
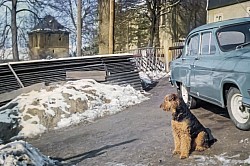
(215, 67)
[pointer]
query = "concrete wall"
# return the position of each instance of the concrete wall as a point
(229, 12)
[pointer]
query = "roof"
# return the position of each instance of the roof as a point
(213, 4)
(49, 23)
(221, 24)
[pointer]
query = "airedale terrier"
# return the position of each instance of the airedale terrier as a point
(189, 134)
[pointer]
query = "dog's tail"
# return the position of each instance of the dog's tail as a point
(210, 139)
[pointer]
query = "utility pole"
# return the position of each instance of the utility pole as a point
(111, 25)
(79, 27)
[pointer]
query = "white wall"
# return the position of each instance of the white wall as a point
(229, 12)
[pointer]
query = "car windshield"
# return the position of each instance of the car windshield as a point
(232, 36)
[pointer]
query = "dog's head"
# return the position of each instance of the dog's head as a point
(170, 103)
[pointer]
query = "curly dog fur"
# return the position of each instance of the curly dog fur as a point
(189, 134)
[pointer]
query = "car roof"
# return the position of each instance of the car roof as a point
(221, 24)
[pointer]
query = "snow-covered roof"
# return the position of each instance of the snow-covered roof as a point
(49, 24)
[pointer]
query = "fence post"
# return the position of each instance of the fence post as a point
(17, 78)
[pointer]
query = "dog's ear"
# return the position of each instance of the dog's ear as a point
(173, 97)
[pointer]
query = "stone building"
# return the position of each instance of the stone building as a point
(48, 39)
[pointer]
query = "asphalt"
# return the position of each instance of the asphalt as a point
(142, 135)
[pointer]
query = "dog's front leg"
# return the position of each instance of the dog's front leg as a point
(177, 142)
(185, 145)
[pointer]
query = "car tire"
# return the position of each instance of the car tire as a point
(190, 101)
(241, 118)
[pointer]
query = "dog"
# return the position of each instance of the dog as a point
(189, 134)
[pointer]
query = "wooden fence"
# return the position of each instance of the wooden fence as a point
(175, 50)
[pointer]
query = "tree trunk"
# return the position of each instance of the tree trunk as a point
(14, 31)
(79, 28)
(157, 24)
(103, 9)
(111, 26)
(152, 31)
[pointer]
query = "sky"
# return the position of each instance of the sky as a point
(60, 103)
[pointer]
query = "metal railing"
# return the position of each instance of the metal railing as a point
(148, 58)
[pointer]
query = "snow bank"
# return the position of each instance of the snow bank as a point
(65, 104)
(21, 153)
(221, 159)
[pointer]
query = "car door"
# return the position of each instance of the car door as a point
(187, 60)
(203, 65)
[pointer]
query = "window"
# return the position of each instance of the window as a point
(218, 17)
(207, 43)
(232, 36)
(248, 12)
(35, 41)
(193, 45)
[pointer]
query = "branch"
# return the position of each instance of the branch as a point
(169, 7)
(71, 13)
(5, 35)
(6, 6)
(3, 2)
(27, 10)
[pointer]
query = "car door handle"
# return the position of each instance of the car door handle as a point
(184, 59)
(196, 58)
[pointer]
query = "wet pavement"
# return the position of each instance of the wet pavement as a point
(142, 135)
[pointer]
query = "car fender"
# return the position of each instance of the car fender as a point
(183, 79)
(227, 81)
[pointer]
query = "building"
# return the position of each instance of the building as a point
(48, 39)
(218, 10)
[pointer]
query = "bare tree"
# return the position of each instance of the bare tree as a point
(64, 10)
(13, 9)
(131, 26)
(145, 11)
(67, 15)
(185, 17)
(155, 8)
(79, 28)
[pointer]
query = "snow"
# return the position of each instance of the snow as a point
(152, 76)
(99, 100)
(64, 104)
(222, 159)
(61, 101)
(22, 153)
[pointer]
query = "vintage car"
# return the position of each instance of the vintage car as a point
(215, 67)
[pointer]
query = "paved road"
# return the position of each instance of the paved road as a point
(141, 135)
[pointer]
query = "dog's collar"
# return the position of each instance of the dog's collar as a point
(181, 112)
(179, 115)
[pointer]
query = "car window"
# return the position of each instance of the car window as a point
(193, 45)
(207, 43)
(230, 37)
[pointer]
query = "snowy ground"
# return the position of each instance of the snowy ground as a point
(65, 104)
(222, 159)
(58, 106)
(21, 153)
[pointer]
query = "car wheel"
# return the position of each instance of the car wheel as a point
(239, 115)
(190, 101)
